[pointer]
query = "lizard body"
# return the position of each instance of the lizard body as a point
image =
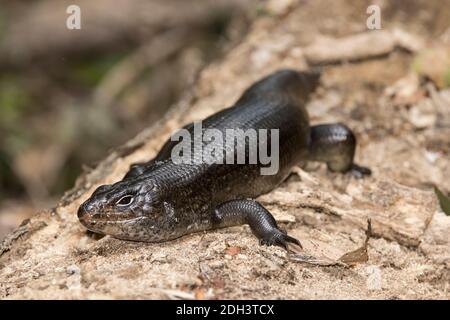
(162, 200)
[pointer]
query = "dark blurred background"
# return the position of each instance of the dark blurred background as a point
(69, 96)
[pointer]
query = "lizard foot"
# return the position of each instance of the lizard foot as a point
(359, 172)
(277, 237)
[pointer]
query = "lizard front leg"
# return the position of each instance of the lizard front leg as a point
(261, 221)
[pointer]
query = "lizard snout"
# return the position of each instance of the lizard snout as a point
(85, 211)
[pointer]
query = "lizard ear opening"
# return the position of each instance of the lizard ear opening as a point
(125, 200)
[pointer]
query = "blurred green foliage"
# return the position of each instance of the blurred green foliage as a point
(261, 10)
(9, 184)
(25, 109)
(14, 105)
(89, 71)
(13, 99)
(444, 201)
(2, 25)
(447, 77)
(434, 63)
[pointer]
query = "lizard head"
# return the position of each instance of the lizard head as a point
(127, 210)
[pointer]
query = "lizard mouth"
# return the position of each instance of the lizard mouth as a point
(107, 225)
(88, 215)
(116, 229)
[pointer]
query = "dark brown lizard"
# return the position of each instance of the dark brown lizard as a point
(162, 199)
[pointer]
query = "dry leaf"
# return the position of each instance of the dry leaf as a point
(218, 283)
(348, 259)
(232, 251)
(199, 294)
(359, 255)
(354, 257)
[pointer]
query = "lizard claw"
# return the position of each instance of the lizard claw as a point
(281, 239)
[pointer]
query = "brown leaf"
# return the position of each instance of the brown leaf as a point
(218, 283)
(348, 259)
(199, 294)
(444, 201)
(359, 255)
(232, 251)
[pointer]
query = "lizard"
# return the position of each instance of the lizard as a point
(161, 200)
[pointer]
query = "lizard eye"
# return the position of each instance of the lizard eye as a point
(125, 200)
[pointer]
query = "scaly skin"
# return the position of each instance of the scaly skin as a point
(160, 200)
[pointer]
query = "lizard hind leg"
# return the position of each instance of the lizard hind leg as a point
(335, 145)
(261, 222)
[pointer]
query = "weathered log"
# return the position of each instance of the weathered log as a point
(52, 255)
